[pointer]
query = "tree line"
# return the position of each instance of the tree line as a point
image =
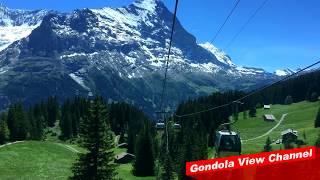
(19, 123)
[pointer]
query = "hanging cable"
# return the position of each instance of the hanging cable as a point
(168, 57)
(162, 100)
(246, 23)
(225, 21)
(250, 94)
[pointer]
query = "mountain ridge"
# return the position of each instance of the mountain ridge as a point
(119, 53)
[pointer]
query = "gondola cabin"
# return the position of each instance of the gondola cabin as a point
(177, 126)
(227, 143)
(160, 126)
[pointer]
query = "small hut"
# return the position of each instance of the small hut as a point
(289, 135)
(269, 117)
(267, 106)
(123, 158)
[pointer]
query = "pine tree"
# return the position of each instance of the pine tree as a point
(98, 140)
(24, 124)
(144, 162)
(66, 121)
(245, 114)
(317, 121)
(131, 141)
(52, 110)
(37, 122)
(44, 112)
(252, 111)
(4, 131)
(18, 124)
(167, 169)
(186, 154)
(267, 147)
(288, 100)
(12, 123)
(314, 97)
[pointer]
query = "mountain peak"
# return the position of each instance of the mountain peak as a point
(220, 55)
(149, 5)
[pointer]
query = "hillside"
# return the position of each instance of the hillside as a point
(300, 117)
(35, 160)
(44, 160)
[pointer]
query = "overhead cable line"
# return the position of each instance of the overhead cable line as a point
(246, 23)
(225, 21)
(250, 94)
(168, 57)
(164, 85)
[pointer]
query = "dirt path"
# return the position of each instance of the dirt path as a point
(7, 144)
(63, 145)
(267, 133)
(69, 147)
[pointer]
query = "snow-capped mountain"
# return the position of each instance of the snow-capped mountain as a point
(119, 53)
(284, 72)
(17, 24)
(220, 55)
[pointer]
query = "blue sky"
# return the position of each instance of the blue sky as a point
(283, 34)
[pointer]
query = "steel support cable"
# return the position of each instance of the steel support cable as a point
(225, 21)
(246, 23)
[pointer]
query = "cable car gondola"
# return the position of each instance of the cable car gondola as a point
(160, 126)
(177, 126)
(227, 143)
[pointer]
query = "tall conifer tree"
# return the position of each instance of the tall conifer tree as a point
(144, 162)
(4, 131)
(98, 140)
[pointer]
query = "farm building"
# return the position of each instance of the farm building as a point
(267, 107)
(123, 158)
(123, 145)
(289, 134)
(269, 117)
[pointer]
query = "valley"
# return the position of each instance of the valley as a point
(44, 159)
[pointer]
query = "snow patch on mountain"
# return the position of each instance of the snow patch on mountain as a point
(17, 24)
(79, 80)
(248, 70)
(206, 67)
(10, 34)
(149, 5)
(122, 24)
(220, 55)
(3, 70)
(284, 72)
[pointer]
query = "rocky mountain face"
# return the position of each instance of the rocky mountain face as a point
(118, 53)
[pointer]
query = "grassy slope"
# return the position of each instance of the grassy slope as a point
(35, 160)
(301, 117)
(45, 160)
